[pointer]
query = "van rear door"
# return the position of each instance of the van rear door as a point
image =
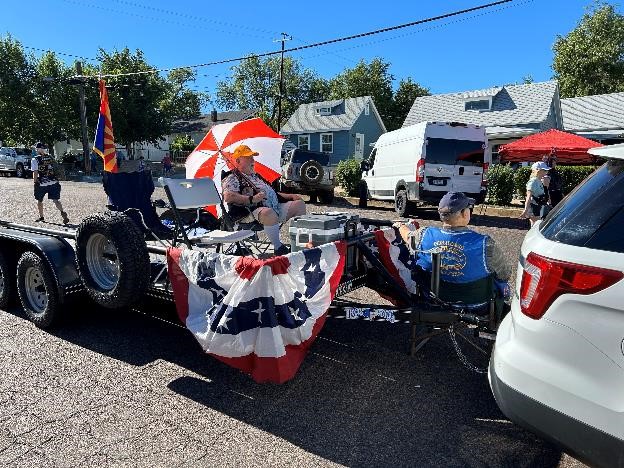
(439, 165)
(453, 165)
(468, 166)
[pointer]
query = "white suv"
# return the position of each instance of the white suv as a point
(558, 362)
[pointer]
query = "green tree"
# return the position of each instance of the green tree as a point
(135, 100)
(182, 143)
(402, 102)
(255, 85)
(367, 79)
(16, 92)
(590, 58)
(181, 102)
(55, 107)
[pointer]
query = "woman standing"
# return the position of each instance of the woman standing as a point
(536, 203)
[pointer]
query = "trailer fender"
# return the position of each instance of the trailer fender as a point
(57, 252)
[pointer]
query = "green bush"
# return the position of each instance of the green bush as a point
(182, 143)
(573, 175)
(521, 177)
(500, 184)
(348, 176)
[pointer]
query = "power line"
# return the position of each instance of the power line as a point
(430, 28)
(320, 44)
(152, 18)
(59, 53)
(193, 17)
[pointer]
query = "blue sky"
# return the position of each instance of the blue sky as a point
(479, 50)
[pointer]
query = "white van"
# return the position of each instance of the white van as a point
(422, 162)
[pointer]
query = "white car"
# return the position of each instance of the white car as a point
(558, 363)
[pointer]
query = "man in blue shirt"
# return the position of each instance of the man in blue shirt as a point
(467, 256)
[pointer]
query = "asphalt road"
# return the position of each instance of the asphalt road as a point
(125, 388)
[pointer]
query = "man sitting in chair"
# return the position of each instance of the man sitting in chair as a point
(249, 198)
(469, 260)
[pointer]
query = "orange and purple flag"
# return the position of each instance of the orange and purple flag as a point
(104, 144)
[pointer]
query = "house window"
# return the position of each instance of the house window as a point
(367, 109)
(327, 142)
(481, 104)
(323, 110)
(303, 142)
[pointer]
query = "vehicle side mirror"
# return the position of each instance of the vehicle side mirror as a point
(364, 166)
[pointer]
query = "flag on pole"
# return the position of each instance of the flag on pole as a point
(104, 144)
(259, 316)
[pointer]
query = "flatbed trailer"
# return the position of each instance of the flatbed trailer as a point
(41, 265)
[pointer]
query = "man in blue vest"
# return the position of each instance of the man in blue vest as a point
(467, 256)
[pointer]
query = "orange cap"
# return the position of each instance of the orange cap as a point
(243, 151)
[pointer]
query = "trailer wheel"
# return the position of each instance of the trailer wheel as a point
(6, 284)
(113, 260)
(37, 290)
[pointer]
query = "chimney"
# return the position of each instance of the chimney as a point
(213, 115)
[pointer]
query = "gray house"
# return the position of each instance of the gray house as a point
(599, 117)
(343, 127)
(508, 112)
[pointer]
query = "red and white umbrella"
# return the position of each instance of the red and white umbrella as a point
(214, 152)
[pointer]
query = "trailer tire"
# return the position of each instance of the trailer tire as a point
(113, 261)
(6, 284)
(38, 290)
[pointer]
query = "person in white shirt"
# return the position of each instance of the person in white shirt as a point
(46, 182)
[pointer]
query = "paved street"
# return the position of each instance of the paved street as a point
(125, 388)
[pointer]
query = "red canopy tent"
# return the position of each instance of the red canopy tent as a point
(569, 148)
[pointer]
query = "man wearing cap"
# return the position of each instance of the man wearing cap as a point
(46, 181)
(536, 202)
(244, 191)
(467, 256)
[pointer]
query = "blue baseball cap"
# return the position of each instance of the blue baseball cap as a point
(454, 202)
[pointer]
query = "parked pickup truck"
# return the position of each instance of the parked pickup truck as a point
(309, 173)
(15, 160)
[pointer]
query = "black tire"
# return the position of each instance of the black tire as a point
(326, 196)
(7, 286)
(38, 290)
(363, 193)
(311, 172)
(401, 204)
(19, 171)
(113, 260)
(313, 197)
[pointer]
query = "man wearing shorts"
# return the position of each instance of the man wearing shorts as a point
(268, 207)
(46, 181)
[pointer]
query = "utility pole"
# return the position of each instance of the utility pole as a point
(285, 37)
(83, 118)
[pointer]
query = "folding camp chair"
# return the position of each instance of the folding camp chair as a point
(185, 194)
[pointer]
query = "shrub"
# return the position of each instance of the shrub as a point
(573, 175)
(521, 177)
(500, 184)
(182, 143)
(348, 175)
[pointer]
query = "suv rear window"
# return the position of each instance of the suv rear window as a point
(301, 156)
(593, 214)
(452, 152)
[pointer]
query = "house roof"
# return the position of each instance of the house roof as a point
(306, 119)
(600, 112)
(204, 122)
(512, 105)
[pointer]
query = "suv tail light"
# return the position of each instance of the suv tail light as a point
(420, 171)
(545, 279)
(484, 182)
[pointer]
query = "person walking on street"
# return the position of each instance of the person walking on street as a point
(536, 203)
(167, 165)
(555, 188)
(46, 181)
